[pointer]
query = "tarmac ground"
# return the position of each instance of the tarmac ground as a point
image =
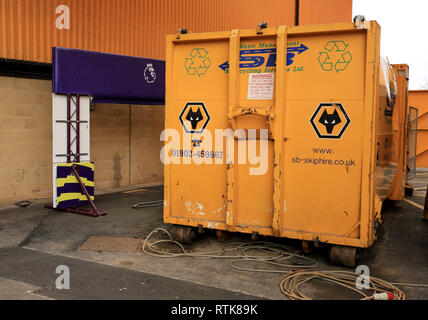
(34, 241)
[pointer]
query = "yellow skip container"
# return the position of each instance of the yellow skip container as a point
(335, 122)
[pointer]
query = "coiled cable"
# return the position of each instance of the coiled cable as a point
(379, 289)
(299, 269)
(282, 257)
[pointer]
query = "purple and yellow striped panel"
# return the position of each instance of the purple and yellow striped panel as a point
(69, 192)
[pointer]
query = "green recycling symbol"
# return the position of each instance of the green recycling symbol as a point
(333, 47)
(198, 63)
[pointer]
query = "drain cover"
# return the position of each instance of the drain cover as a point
(121, 244)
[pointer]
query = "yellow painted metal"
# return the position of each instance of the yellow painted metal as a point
(232, 103)
(278, 134)
(400, 121)
(324, 186)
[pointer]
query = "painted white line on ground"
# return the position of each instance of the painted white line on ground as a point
(417, 205)
(419, 195)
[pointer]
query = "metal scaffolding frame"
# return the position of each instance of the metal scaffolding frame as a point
(73, 154)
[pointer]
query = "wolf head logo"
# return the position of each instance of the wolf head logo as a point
(330, 120)
(194, 117)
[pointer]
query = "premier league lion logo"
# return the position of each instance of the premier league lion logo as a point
(149, 73)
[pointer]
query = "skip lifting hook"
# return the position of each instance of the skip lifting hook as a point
(261, 26)
(182, 31)
(358, 21)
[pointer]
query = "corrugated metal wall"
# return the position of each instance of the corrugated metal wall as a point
(130, 27)
(324, 11)
(419, 100)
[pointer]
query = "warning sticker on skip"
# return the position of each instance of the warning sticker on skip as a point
(260, 86)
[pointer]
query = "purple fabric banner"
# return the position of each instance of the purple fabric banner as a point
(108, 77)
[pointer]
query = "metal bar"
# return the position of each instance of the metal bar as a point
(233, 102)
(78, 211)
(297, 11)
(412, 130)
(68, 129)
(65, 155)
(71, 121)
(170, 47)
(416, 141)
(77, 157)
(147, 204)
(250, 33)
(425, 216)
(369, 135)
(278, 128)
(76, 174)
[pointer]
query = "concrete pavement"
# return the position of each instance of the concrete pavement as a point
(35, 240)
